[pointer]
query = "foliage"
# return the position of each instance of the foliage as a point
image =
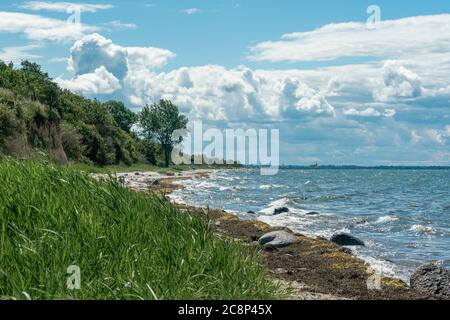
(72, 142)
(8, 123)
(41, 116)
(60, 122)
(159, 122)
(124, 117)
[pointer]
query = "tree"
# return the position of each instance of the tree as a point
(124, 117)
(158, 123)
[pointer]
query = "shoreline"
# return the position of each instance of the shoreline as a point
(310, 269)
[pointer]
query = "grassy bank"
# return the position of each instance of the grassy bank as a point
(141, 167)
(127, 245)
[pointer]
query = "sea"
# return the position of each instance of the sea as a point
(402, 215)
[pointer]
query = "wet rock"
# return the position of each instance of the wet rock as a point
(269, 248)
(251, 212)
(137, 174)
(312, 213)
(345, 239)
(156, 183)
(433, 279)
(280, 210)
(278, 239)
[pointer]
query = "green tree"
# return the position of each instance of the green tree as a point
(124, 117)
(159, 122)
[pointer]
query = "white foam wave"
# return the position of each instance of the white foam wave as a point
(383, 267)
(423, 229)
(386, 219)
(176, 198)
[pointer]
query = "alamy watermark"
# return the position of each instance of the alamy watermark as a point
(374, 20)
(257, 147)
(74, 279)
(374, 280)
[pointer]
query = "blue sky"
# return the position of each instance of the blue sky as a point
(340, 91)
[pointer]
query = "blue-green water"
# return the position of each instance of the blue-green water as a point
(402, 215)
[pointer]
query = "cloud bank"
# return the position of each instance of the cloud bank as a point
(394, 108)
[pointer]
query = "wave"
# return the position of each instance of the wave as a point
(383, 267)
(423, 229)
(386, 219)
(270, 186)
(176, 198)
(282, 203)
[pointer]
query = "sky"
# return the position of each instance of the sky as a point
(354, 82)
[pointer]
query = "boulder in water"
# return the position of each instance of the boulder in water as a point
(280, 210)
(433, 279)
(344, 239)
(312, 213)
(278, 239)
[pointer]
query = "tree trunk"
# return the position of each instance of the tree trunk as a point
(167, 155)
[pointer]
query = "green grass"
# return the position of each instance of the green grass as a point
(142, 167)
(127, 245)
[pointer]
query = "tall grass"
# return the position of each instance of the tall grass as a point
(127, 245)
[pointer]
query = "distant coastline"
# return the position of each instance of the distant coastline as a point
(356, 167)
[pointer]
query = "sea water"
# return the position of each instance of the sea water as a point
(403, 215)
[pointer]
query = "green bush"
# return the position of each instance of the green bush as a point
(8, 123)
(72, 142)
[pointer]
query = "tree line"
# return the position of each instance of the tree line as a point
(38, 116)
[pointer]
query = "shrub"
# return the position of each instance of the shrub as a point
(8, 123)
(72, 142)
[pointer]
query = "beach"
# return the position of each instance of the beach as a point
(309, 268)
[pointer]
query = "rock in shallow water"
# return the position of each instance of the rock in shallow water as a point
(433, 279)
(344, 239)
(281, 210)
(278, 239)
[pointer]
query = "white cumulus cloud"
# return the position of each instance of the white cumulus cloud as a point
(17, 54)
(98, 82)
(39, 28)
(64, 6)
(392, 38)
(398, 82)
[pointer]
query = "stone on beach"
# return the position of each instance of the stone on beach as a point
(278, 239)
(433, 279)
(344, 239)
